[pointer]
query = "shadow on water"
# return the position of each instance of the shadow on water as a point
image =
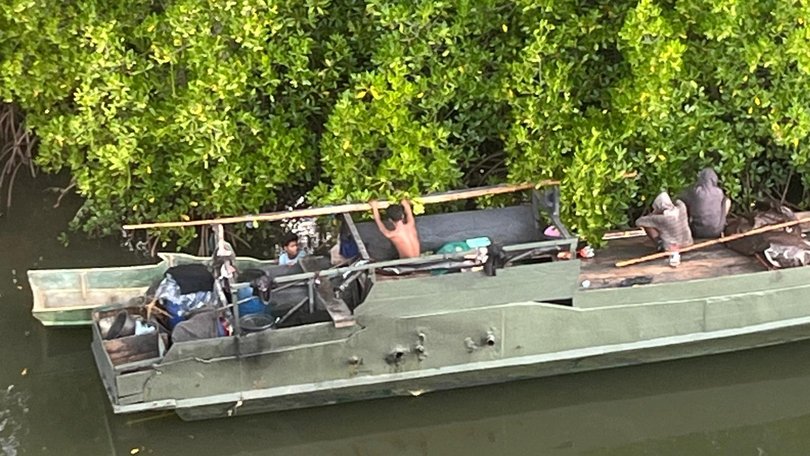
(51, 401)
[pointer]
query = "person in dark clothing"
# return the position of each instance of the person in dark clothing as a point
(707, 206)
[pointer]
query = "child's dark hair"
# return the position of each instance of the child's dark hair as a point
(288, 239)
(395, 212)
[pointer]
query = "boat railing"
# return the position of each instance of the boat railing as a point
(526, 249)
(351, 273)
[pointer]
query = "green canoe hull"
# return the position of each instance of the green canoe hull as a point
(304, 396)
(462, 330)
(67, 297)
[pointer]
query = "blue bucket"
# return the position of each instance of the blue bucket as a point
(253, 305)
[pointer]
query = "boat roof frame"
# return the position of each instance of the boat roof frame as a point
(432, 198)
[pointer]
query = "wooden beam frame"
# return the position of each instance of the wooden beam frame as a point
(361, 246)
(434, 198)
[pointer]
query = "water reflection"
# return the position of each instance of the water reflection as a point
(13, 411)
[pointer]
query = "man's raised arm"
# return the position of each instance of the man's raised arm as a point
(376, 211)
(408, 213)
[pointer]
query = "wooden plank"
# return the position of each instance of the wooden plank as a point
(132, 348)
(83, 282)
(338, 310)
(441, 197)
(434, 198)
(712, 262)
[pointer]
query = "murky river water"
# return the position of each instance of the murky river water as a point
(52, 402)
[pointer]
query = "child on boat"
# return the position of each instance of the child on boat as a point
(292, 252)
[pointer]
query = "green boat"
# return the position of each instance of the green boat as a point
(67, 297)
(380, 327)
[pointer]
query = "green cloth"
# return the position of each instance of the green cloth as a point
(450, 247)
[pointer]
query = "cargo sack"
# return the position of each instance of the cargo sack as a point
(201, 325)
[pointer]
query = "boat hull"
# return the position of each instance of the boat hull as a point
(408, 384)
(463, 330)
(65, 317)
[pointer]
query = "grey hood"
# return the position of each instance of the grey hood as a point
(705, 202)
(707, 178)
(662, 202)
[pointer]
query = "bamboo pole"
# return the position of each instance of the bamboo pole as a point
(623, 234)
(733, 237)
(443, 197)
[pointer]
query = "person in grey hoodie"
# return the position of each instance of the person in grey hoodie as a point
(707, 206)
(668, 225)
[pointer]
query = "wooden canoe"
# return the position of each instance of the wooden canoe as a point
(66, 297)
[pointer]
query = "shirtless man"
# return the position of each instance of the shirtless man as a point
(403, 236)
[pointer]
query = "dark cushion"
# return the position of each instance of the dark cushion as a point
(506, 226)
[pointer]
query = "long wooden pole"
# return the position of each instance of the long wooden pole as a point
(733, 237)
(623, 234)
(443, 197)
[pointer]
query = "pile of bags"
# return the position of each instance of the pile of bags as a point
(784, 248)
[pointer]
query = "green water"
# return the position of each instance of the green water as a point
(52, 402)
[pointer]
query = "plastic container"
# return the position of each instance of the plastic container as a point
(252, 305)
(175, 312)
(256, 322)
(474, 243)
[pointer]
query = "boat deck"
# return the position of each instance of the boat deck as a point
(601, 271)
(714, 261)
